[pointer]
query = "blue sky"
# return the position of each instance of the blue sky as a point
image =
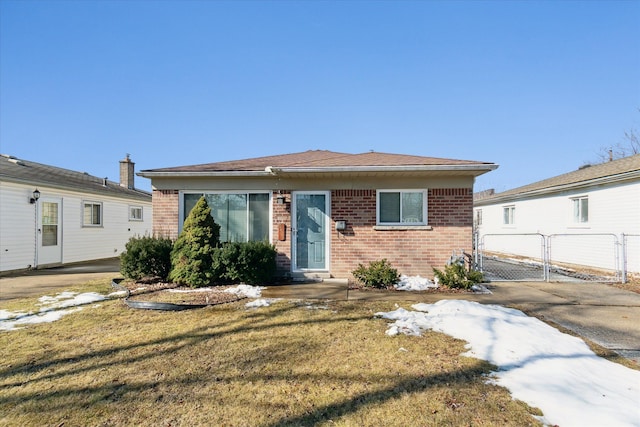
(536, 87)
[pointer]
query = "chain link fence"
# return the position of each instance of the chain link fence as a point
(557, 257)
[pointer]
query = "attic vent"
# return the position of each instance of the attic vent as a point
(16, 161)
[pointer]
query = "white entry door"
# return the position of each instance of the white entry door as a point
(310, 227)
(50, 231)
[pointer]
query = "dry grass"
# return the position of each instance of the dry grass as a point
(633, 285)
(290, 364)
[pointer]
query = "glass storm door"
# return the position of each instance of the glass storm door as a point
(310, 228)
(50, 231)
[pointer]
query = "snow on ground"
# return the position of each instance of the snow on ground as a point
(541, 366)
(246, 291)
(51, 309)
(414, 283)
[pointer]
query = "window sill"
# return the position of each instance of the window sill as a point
(402, 227)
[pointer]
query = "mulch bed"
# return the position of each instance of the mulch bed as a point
(154, 291)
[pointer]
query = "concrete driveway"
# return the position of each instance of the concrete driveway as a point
(598, 312)
(40, 282)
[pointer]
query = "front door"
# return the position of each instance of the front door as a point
(50, 231)
(310, 220)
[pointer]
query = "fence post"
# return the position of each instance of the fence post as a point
(546, 258)
(624, 258)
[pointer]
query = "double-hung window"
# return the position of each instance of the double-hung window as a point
(509, 215)
(242, 217)
(580, 209)
(91, 214)
(402, 207)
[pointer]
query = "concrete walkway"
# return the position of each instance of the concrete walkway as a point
(598, 312)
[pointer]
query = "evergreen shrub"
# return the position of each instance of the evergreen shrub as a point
(378, 274)
(193, 251)
(456, 276)
(146, 257)
(247, 262)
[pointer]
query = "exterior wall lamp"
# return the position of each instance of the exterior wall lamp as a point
(35, 196)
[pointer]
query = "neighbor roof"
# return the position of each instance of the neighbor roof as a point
(22, 171)
(318, 161)
(624, 169)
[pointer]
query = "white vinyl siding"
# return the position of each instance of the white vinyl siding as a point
(18, 225)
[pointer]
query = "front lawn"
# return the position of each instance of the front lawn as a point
(293, 363)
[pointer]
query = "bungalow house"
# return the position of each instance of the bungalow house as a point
(51, 216)
(325, 212)
(585, 218)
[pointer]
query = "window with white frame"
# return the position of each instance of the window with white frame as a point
(242, 216)
(508, 215)
(401, 207)
(580, 209)
(91, 214)
(135, 213)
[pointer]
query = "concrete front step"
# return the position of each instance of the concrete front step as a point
(308, 276)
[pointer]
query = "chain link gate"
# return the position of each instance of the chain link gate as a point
(557, 257)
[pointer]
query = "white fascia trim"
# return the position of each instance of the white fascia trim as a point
(202, 174)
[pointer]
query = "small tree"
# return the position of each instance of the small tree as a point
(192, 254)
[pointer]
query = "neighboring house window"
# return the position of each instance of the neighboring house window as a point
(580, 209)
(508, 215)
(92, 214)
(402, 207)
(135, 213)
(242, 216)
(479, 217)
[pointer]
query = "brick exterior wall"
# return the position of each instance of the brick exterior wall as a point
(412, 252)
(165, 213)
(282, 218)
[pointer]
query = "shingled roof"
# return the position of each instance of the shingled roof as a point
(627, 168)
(322, 160)
(22, 171)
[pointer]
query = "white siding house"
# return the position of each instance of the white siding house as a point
(72, 217)
(589, 217)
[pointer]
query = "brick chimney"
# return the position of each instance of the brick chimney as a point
(127, 173)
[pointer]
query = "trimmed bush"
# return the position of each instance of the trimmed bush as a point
(248, 262)
(192, 254)
(456, 276)
(146, 257)
(379, 274)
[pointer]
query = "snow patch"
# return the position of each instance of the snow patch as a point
(540, 365)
